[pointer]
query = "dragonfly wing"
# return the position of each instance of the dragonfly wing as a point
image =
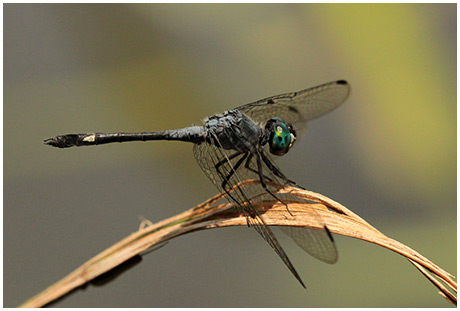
(298, 107)
(316, 243)
(227, 169)
(225, 173)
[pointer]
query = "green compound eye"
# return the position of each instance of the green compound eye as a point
(282, 136)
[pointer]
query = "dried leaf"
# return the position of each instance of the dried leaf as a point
(215, 213)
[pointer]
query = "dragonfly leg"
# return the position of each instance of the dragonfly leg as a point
(274, 169)
(233, 168)
(222, 162)
(248, 162)
(226, 179)
(227, 159)
(264, 185)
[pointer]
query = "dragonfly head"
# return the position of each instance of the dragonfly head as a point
(281, 136)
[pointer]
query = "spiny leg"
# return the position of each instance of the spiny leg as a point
(262, 180)
(227, 159)
(274, 169)
(226, 179)
(264, 185)
(239, 191)
(232, 171)
(234, 168)
(248, 162)
(277, 172)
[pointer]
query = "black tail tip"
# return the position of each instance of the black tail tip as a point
(343, 82)
(64, 141)
(51, 141)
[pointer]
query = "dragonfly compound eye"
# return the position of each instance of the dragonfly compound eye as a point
(282, 136)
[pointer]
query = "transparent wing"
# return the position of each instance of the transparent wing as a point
(220, 168)
(298, 107)
(316, 243)
(227, 169)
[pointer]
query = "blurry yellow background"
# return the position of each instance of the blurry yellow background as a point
(388, 154)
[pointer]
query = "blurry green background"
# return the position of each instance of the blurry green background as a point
(388, 154)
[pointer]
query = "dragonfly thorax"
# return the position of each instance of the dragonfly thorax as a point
(233, 130)
(280, 136)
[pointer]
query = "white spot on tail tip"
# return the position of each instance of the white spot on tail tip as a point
(90, 138)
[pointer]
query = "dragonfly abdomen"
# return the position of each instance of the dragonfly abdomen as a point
(193, 134)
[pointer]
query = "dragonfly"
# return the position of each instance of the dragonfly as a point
(234, 146)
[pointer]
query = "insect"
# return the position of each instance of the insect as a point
(234, 146)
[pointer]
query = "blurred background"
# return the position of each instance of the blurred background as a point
(388, 153)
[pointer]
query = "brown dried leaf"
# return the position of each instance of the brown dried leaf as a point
(213, 214)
